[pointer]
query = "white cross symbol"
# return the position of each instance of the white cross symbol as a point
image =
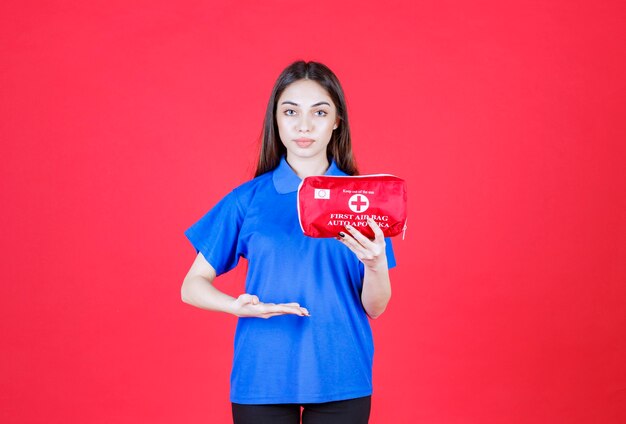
(357, 201)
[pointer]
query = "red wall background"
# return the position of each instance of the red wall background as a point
(123, 122)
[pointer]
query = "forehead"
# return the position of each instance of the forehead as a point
(305, 92)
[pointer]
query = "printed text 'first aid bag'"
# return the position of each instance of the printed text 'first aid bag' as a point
(326, 204)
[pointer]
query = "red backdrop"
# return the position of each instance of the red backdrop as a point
(123, 122)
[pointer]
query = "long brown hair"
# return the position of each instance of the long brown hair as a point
(340, 145)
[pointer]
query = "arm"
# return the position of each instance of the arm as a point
(376, 284)
(198, 290)
(376, 289)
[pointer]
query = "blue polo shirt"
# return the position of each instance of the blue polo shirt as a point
(290, 359)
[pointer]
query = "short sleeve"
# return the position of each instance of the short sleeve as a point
(391, 258)
(216, 234)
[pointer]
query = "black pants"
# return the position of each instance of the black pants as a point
(351, 411)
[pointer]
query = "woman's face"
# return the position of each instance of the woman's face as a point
(306, 117)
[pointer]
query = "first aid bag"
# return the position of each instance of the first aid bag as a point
(326, 204)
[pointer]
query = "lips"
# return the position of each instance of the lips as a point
(304, 142)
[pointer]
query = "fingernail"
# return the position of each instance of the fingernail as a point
(341, 234)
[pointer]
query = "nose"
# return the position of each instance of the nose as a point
(304, 124)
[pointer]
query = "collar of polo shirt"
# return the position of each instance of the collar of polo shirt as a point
(287, 181)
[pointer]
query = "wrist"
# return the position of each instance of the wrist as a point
(378, 267)
(230, 306)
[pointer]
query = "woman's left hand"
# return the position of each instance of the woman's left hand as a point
(370, 252)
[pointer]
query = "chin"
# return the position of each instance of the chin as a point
(306, 153)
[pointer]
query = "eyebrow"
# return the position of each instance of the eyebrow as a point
(288, 102)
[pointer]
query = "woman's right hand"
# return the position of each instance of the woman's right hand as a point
(249, 306)
(198, 290)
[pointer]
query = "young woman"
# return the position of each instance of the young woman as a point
(314, 348)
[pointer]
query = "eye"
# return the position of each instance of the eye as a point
(289, 112)
(321, 113)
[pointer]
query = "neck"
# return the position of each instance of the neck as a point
(306, 167)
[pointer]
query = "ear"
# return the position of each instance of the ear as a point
(337, 121)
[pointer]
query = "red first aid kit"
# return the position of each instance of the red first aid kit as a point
(326, 204)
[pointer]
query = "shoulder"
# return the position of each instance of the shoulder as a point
(244, 193)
